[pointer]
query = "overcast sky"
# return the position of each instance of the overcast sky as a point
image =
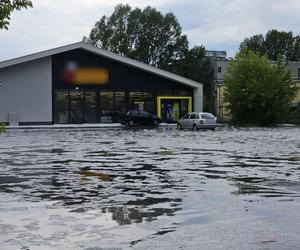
(216, 24)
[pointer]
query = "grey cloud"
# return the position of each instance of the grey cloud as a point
(217, 24)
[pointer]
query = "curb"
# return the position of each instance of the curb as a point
(84, 126)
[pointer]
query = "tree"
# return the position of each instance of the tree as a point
(153, 38)
(7, 7)
(194, 65)
(2, 127)
(256, 91)
(145, 35)
(275, 44)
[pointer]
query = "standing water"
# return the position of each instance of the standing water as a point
(150, 189)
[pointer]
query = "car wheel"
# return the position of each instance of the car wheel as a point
(179, 126)
(131, 123)
(195, 127)
(155, 122)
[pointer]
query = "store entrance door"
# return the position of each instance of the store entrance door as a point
(171, 109)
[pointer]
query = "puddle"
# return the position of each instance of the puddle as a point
(150, 189)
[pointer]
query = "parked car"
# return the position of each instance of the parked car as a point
(197, 120)
(140, 117)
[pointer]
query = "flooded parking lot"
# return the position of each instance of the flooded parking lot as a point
(150, 189)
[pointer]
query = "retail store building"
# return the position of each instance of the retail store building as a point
(79, 83)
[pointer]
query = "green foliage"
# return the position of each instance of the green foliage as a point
(294, 115)
(193, 61)
(297, 114)
(194, 65)
(275, 44)
(153, 38)
(2, 127)
(145, 35)
(256, 91)
(8, 6)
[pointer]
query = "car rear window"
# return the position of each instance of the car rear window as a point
(208, 116)
(133, 112)
(144, 113)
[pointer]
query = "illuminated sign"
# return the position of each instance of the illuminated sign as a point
(73, 74)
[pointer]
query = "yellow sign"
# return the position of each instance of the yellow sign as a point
(90, 76)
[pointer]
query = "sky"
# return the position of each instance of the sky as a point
(215, 24)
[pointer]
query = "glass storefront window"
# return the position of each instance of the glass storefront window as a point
(148, 101)
(76, 106)
(136, 100)
(175, 93)
(61, 106)
(119, 105)
(90, 110)
(184, 107)
(106, 106)
(141, 101)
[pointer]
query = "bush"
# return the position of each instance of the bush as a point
(294, 115)
(2, 127)
(256, 91)
(297, 114)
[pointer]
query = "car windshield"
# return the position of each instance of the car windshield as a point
(186, 116)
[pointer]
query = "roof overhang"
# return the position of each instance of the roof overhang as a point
(106, 54)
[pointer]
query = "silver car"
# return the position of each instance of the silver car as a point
(197, 120)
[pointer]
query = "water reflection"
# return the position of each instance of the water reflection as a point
(126, 215)
(267, 187)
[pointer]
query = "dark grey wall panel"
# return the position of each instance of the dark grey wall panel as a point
(121, 76)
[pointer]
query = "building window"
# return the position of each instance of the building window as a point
(61, 107)
(219, 69)
(77, 106)
(148, 98)
(184, 107)
(119, 106)
(90, 107)
(174, 93)
(136, 100)
(106, 106)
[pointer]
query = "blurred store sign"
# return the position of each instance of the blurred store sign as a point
(73, 74)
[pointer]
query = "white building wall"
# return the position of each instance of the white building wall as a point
(223, 65)
(198, 99)
(294, 67)
(26, 90)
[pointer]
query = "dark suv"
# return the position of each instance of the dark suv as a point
(140, 117)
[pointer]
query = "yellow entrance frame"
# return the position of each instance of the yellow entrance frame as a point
(159, 98)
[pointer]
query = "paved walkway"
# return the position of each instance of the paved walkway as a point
(79, 126)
